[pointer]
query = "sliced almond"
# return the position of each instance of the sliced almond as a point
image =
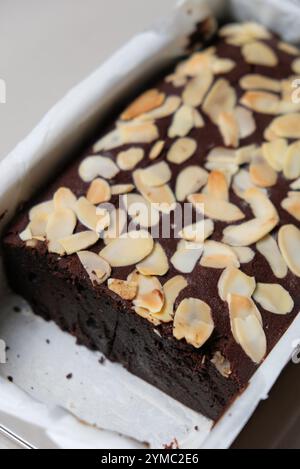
(289, 245)
(274, 298)
(244, 254)
(287, 126)
(26, 234)
(190, 180)
(130, 248)
(295, 185)
(229, 128)
(260, 82)
(258, 53)
(79, 241)
(234, 281)
(176, 80)
(269, 249)
(261, 101)
(196, 64)
(242, 182)
(94, 166)
(44, 208)
(183, 122)
(292, 204)
(172, 288)
(38, 226)
(296, 66)
(221, 155)
(222, 65)
(91, 217)
(170, 106)
(288, 48)
(228, 169)
(222, 364)
(246, 122)
(248, 31)
(162, 196)
(182, 150)
(97, 268)
(129, 159)
(149, 100)
(193, 322)
(291, 163)
(31, 243)
(216, 209)
(197, 232)
(140, 210)
(260, 204)
(198, 119)
(156, 175)
(98, 192)
(120, 189)
(221, 98)
(247, 328)
(123, 288)
(218, 256)
(156, 263)
(156, 149)
(274, 153)
(217, 186)
(249, 232)
(138, 132)
(150, 294)
(110, 141)
(64, 198)
(186, 257)
(61, 223)
(197, 88)
(261, 173)
(118, 220)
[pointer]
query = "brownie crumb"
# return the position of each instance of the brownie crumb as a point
(69, 376)
(10, 379)
(101, 360)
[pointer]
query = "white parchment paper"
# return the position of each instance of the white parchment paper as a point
(40, 356)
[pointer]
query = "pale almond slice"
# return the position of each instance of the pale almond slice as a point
(94, 166)
(228, 169)
(289, 245)
(258, 53)
(138, 132)
(26, 234)
(79, 241)
(218, 256)
(270, 135)
(287, 126)
(295, 185)
(61, 223)
(109, 141)
(217, 186)
(186, 257)
(242, 182)
(245, 154)
(260, 204)
(222, 155)
(287, 87)
(198, 119)
(44, 208)
(292, 204)
(148, 101)
(198, 232)
(119, 189)
(246, 122)
(190, 180)
(145, 313)
(249, 232)
(91, 217)
(38, 225)
(261, 101)
(222, 365)
(244, 254)
(150, 295)
(177, 80)
(97, 268)
(181, 150)
(291, 163)
(156, 263)
(64, 198)
(261, 173)
(221, 98)
(31, 243)
(123, 288)
(229, 128)
(169, 107)
(118, 220)
(129, 159)
(197, 88)
(269, 249)
(274, 298)
(288, 48)
(251, 29)
(183, 122)
(247, 327)
(162, 196)
(140, 210)
(130, 248)
(222, 65)
(296, 66)
(216, 209)
(198, 63)
(156, 175)
(260, 82)
(234, 281)
(193, 322)
(98, 192)
(172, 288)
(274, 153)
(156, 149)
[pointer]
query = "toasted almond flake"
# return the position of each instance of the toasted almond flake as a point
(183, 122)
(156, 149)
(140, 210)
(156, 175)
(172, 288)
(181, 150)
(197, 232)
(64, 198)
(269, 249)
(193, 322)
(94, 166)
(156, 263)
(260, 204)
(287, 126)
(260, 82)
(97, 268)
(218, 256)
(90, 216)
(120, 189)
(198, 63)
(162, 196)
(217, 186)
(274, 298)
(289, 245)
(221, 364)
(38, 225)
(291, 163)
(61, 223)
(26, 234)
(216, 209)
(186, 257)
(244, 254)
(270, 135)
(190, 180)
(274, 153)
(197, 88)
(109, 141)
(145, 313)
(245, 154)
(177, 80)
(130, 248)
(296, 66)
(221, 98)
(124, 289)
(228, 169)
(292, 204)
(98, 192)
(138, 132)
(150, 295)
(249, 232)
(288, 48)
(129, 159)
(246, 122)
(44, 208)
(261, 102)
(222, 65)
(229, 128)
(148, 101)
(247, 328)
(118, 219)
(198, 119)
(242, 182)
(79, 241)
(295, 185)
(258, 53)
(261, 173)
(170, 106)
(251, 29)
(234, 281)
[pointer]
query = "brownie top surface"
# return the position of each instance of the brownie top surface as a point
(218, 140)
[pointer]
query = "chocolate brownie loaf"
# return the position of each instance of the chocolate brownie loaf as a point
(173, 244)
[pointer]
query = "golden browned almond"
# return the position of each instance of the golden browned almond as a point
(221, 364)
(246, 122)
(234, 281)
(292, 204)
(291, 162)
(145, 313)
(170, 106)
(288, 48)
(162, 196)
(193, 322)
(140, 210)
(156, 149)
(138, 132)
(217, 186)
(260, 204)
(190, 180)
(246, 326)
(181, 150)
(258, 53)
(260, 82)
(79, 241)
(90, 216)
(61, 223)
(156, 175)
(229, 128)
(124, 289)
(228, 169)
(269, 249)
(150, 295)
(261, 102)
(183, 122)
(94, 166)
(242, 182)
(44, 208)
(198, 232)
(287, 126)
(118, 219)
(129, 159)
(156, 263)
(244, 254)
(98, 192)
(172, 288)
(274, 153)
(296, 66)
(249, 232)
(289, 245)
(221, 98)
(186, 256)
(64, 198)
(149, 100)
(261, 173)
(197, 88)
(216, 209)
(218, 256)
(198, 63)
(97, 268)
(129, 249)
(119, 189)
(274, 298)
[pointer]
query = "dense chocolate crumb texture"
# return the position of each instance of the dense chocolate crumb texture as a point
(222, 133)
